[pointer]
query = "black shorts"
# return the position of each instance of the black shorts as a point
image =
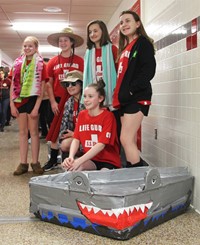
(134, 108)
(28, 107)
(100, 165)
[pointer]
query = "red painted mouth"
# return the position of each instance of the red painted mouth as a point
(119, 218)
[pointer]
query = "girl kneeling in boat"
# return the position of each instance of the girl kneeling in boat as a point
(96, 131)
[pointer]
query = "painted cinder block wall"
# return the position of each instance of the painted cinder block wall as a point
(175, 112)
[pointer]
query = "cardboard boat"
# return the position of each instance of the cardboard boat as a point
(119, 204)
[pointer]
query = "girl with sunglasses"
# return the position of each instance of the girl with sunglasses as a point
(73, 83)
(58, 67)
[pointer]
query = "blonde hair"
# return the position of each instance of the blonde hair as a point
(32, 39)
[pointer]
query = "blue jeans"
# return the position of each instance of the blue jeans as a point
(4, 104)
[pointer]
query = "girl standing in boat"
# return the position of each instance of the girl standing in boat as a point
(100, 62)
(132, 95)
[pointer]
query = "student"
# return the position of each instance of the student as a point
(28, 78)
(44, 111)
(133, 90)
(100, 62)
(96, 132)
(58, 67)
(4, 99)
(100, 58)
(73, 82)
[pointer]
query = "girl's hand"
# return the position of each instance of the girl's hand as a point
(54, 108)
(67, 134)
(34, 113)
(14, 111)
(75, 165)
(67, 163)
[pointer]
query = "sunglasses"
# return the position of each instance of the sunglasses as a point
(67, 84)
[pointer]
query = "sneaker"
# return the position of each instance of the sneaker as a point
(50, 165)
(7, 124)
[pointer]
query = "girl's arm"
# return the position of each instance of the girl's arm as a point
(36, 108)
(68, 162)
(74, 148)
(13, 108)
(54, 104)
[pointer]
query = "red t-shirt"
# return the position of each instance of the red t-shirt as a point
(98, 57)
(102, 128)
(58, 66)
(122, 67)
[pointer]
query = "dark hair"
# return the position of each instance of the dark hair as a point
(80, 82)
(123, 40)
(73, 51)
(105, 38)
(46, 59)
(99, 87)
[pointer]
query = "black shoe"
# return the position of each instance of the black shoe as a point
(50, 165)
(7, 124)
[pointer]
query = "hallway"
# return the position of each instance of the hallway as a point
(18, 226)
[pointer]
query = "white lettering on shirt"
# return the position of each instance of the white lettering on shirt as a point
(99, 59)
(89, 143)
(90, 127)
(108, 135)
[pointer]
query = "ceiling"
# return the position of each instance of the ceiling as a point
(76, 13)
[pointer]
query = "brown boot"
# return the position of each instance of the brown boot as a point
(37, 169)
(21, 169)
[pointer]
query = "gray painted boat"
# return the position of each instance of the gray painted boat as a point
(118, 204)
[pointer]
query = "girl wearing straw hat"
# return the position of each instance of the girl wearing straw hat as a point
(57, 69)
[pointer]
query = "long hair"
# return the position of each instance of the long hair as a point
(123, 40)
(105, 38)
(73, 51)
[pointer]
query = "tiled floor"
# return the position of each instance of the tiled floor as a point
(18, 226)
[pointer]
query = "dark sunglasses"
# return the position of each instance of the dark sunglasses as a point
(67, 84)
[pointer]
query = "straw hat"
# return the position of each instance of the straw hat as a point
(67, 32)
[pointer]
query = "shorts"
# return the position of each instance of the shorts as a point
(28, 106)
(134, 108)
(100, 165)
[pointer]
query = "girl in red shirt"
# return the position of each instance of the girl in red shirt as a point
(100, 62)
(133, 90)
(96, 132)
(58, 67)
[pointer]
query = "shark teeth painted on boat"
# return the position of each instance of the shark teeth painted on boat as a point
(131, 214)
